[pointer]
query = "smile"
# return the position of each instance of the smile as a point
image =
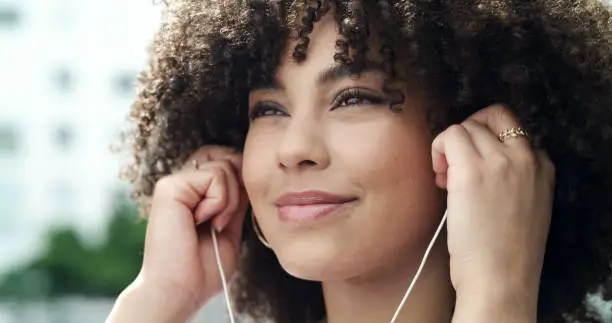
(310, 205)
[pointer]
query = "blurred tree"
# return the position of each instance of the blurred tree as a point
(68, 266)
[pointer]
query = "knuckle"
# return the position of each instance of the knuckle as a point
(199, 156)
(215, 171)
(219, 164)
(500, 163)
(498, 108)
(470, 123)
(548, 167)
(527, 158)
(215, 152)
(225, 163)
(456, 130)
(167, 187)
(209, 153)
(164, 184)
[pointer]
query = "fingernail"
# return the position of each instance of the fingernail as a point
(218, 225)
(218, 228)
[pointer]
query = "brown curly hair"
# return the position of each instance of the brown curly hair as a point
(548, 60)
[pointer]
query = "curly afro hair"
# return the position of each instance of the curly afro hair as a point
(548, 60)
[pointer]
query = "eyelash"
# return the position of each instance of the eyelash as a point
(263, 109)
(356, 93)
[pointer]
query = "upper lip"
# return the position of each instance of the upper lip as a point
(312, 197)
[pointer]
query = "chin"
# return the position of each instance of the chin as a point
(316, 261)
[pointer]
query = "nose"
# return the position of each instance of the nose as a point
(303, 146)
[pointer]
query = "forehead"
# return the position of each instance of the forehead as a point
(322, 49)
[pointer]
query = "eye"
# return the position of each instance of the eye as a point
(266, 109)
(356, 97)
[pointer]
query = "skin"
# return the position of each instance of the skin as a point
(309, 142)
(499, 198)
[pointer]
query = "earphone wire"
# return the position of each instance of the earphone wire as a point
(228, 303)
(399, 308)
(421, 266)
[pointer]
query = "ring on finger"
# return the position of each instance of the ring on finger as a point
(512, 133)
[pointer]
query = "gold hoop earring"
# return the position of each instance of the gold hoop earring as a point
(258, 232)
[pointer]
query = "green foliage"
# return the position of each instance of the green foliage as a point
(68, 266)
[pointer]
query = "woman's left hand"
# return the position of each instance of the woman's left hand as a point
(499, 202)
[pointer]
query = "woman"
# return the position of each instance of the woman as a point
(341, 131)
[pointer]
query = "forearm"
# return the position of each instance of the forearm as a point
(139, 303)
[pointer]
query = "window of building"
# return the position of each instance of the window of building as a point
(9, 17)
(65, 14)
(9, 140)
(63, 137)
(63, 79)
(124, 83)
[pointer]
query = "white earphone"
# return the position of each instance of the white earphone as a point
(401, 304)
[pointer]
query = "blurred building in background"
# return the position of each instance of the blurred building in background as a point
(68, 69)
(67, 73)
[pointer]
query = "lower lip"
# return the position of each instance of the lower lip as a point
(306, 213)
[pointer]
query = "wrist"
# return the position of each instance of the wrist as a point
(144, 302)
(497, 300)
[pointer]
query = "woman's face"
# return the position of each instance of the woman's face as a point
(341, 185)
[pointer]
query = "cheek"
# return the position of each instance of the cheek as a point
(392, 166)
(386, 156)
(258, 156)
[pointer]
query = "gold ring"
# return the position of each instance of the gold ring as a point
(512, 133)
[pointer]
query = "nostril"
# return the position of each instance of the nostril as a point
(307, 163)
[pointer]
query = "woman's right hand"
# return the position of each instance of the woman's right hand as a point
(179, 258)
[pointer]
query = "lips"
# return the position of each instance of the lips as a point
(310, 205)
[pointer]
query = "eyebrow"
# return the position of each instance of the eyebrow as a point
(329, 75)
(338, 72)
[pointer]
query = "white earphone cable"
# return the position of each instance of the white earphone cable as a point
(421, 266)
(399, 308)
(228, 303)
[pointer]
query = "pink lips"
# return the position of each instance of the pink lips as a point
(309, 205)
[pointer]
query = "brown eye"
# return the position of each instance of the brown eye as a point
(356, 97)
(355, 100)
(266, 109)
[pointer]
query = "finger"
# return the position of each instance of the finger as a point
(499, 118)
(210, 153)
(483, 138)
(214, 152)
(453, 146)
(233, 190)
(441, 180)
(236, 161)
(234, 227)
(215, 199)
(174, 198)
(196, 159)
(547, 166)
(438, 159)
